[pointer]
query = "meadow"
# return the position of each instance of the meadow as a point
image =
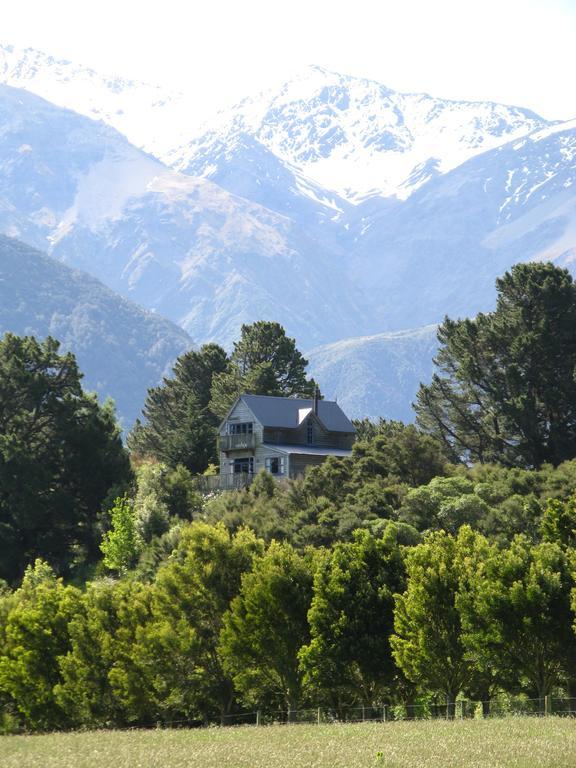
(506, 743)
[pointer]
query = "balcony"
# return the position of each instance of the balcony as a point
(231, 482)
(237, 442)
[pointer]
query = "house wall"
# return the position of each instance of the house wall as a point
(299, 436)
(299, 463)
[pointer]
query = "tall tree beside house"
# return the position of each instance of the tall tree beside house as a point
(506, 390)
(60, 456)
(179, 426)
(265, 361)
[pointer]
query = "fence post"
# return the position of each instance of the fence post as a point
(384, 713)
(363, 714)
(548, 705)
(258, 716)
(319, 715)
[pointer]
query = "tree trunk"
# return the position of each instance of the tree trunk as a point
(450, 705)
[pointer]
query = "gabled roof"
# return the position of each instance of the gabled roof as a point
(287, 412)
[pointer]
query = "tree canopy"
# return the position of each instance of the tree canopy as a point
(60, 454)
(264, 361)
(179, 427)
(506, 389)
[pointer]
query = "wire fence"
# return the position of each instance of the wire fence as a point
(460, 709)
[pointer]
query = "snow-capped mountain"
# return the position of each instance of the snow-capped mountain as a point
(151, 117)
(441, 251)
(355, 136)
(181, 246)
(334, 205)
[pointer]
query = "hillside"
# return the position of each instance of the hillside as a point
(121, 349)
(376, 375)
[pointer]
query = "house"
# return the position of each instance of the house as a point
(284, 435)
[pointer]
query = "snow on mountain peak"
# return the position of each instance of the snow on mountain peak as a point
(359, 138)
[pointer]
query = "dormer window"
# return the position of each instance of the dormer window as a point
(243, 428)
(310, 432)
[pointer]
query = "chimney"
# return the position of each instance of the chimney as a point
(316, 398)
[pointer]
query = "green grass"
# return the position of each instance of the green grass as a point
(507, 743)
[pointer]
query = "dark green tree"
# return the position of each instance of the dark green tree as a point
(516, 615)
(266, 626)
(60, 456)
(264, 362)
(351, 619)
(506, 389)
(179, 426)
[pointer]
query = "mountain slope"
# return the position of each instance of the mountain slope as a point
(184, 247)
(121, 349)
(150, 116)
(356, 137)
(442, 250)
(376, 375)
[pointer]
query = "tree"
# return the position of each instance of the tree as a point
(36, 637)
(264, 362)
(121, 544)
(516, 615)
(351, 619)
(179, 426)
(428, 643)
(400, 452)
(266, 626)
(506, 390)
(60, 455)
(559, 522)
(102, 677)
(191, 594)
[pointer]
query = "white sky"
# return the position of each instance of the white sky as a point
(513, 51)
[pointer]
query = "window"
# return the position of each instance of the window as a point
(244, 428)
(310, 432)
(275, 465)
(244, 465)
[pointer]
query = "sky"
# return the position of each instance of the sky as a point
(512, 51)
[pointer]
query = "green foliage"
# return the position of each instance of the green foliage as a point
(351, 619)
(190, 596)
(60, 453)
(264, 362)
(122, 544)
(428, 643)
(559, 522)
(266, 626)
(35, 636)
(179, 426)
(506, 390)
(516, 614)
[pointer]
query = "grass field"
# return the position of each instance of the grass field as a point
(507, 743)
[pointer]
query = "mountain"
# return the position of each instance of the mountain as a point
(152, 117)
(376, 375)
(121, 349)
(182, 246)
(442, 250)
(357, 137)
(333, 204)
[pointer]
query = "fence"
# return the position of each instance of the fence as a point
(460, 710)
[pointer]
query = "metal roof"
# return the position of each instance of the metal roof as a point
(308, 450)
(285, 412)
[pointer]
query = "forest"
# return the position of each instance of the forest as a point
(436, 564)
